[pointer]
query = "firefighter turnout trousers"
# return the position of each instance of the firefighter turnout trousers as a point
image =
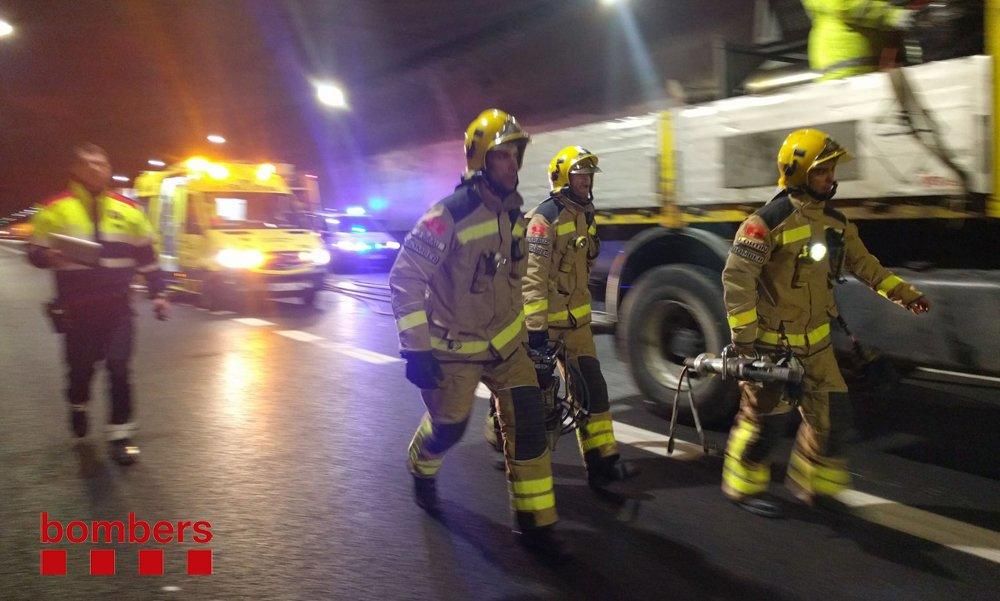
(522, 422)
(817, 466)
(597, 437)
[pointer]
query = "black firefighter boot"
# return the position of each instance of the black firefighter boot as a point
(425, 494)
(763, 505)
(543, 542)
(602, 471)
(123, 451)
(78, 420)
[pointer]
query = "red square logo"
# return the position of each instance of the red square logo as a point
(199, 562)
(52, 562)
(102, 562)
(151, 562)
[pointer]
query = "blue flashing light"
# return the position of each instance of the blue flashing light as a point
(377, 203)
(358, 229)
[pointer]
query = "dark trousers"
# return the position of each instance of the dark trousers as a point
(101, 334)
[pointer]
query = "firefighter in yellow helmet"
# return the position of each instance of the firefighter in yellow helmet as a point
(456, 296)
(562, 247)
(848, 36)
(778, 284)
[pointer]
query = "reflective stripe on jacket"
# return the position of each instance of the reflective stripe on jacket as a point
(125, 235)
(562, 246)
(456, 284)
(778, 276)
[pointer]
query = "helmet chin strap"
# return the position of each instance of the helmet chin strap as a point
(820, 196)
(495, 186)
(568, 193)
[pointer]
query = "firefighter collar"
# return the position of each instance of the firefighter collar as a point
(492, 202)
(82, 194)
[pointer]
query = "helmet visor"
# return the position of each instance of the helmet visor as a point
(831, 151)
(586, 164)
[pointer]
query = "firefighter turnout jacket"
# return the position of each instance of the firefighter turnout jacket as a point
(118, 224)
(456, 284)
(781, 270)
(562, 246)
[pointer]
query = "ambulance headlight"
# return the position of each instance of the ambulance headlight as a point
(318, 256)
(233, 258)
(392, 244)
(817, 251)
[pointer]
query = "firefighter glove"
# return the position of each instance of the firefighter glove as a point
(537, 340)
(422, 369)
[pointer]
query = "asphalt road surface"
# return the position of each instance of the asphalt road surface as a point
(285, 430)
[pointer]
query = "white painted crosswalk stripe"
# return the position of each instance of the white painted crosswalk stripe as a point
(932, 527)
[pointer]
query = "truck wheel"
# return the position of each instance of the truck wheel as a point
(673, 312)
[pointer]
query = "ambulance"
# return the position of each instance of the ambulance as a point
(228, 230)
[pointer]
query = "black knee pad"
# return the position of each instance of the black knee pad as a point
(840, 423)
(771, 427)
(445, 436)
(597, 387)
(530, 439)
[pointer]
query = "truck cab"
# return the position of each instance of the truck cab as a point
(225, 230)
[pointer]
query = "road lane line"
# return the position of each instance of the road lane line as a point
(654, 442)
(252, 321)
(13, 251)
(299, 335)
(932, 527)
(359, 353)
(944, 531)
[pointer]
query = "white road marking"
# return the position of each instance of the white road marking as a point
(924, 524)
(932, 527)
(252, 321)
(222, 312)
(299, 335)
(654, 442)
(13, 251)
(359, 353)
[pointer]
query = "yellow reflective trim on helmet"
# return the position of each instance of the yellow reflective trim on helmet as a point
(532, 487)
(536, 306)
(477, 231)
(537, 503)
(411, 320)
(741, 319)
(566, 228)
(886, 286)
(795, 234)
(508, 333)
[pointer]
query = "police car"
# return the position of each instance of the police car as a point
(356, 239)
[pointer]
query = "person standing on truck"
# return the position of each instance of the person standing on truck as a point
(562, 248)
(778, 287)
(848, 37)
(93, 305)
(456, 297)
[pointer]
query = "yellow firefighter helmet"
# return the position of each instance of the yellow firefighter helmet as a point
(569, 160)
(490, 129)
(802, 150)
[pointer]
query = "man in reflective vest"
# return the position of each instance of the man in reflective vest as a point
(562, 247)
(778, 284)
(848, 36)
(92, 306)
(456, 296)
